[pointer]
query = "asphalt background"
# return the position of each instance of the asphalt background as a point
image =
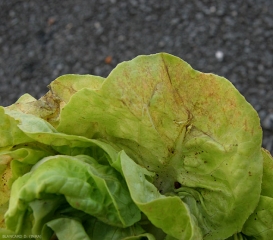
(41, 40)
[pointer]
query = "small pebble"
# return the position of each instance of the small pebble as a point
(219, 55)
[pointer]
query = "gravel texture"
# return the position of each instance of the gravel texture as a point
(41, 40)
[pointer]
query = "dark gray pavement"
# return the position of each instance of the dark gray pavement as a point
(41, 40)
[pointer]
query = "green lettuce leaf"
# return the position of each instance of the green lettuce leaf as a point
(23, 156)
(158, 208)
(10, 133)
(49, 106)
(187, 127)
(260, 224)
(41, 132)
(73, 229)
(79, 226)
(6, 174)
(15, 162)
(95, 189)
(267, 189)
(99, 230)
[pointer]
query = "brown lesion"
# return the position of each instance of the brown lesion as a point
(6, 176)
(49, 106)
(177, 185)
(63, 87)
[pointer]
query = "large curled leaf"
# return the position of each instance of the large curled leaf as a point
(192, 144)
(186, 126)
(95, 189)
(38, 130)
(168, 213)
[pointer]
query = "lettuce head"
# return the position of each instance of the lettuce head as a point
(157, 150)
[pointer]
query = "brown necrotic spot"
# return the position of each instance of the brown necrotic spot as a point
(177, 185)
